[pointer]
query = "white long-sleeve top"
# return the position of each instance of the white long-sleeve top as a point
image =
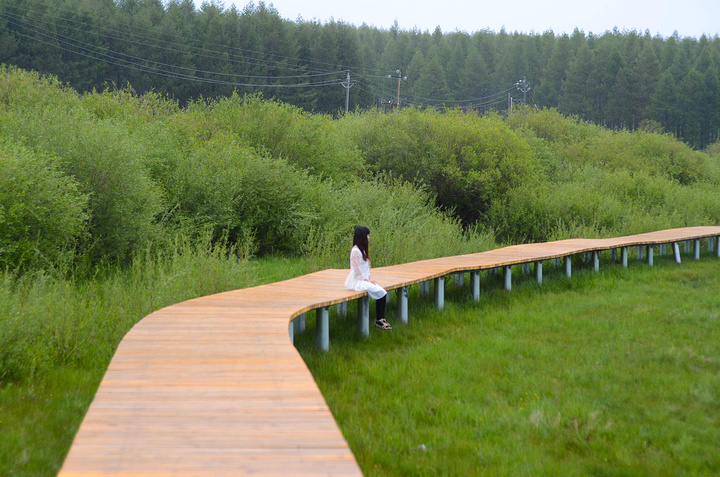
(359, 277)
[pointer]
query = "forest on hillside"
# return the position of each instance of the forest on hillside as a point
(620, 80)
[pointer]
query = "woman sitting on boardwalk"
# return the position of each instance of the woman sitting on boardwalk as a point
(359, 277)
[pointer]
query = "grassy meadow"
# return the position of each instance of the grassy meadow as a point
(609, 373)
(114, 205)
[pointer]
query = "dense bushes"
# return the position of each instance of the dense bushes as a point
(466, 160)
(101, 156)
(135, 172)
(42, 212)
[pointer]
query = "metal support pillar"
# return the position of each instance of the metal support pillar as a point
(403, 305)
(364, 316)
(711, 243)
(613, 255)
(717, 245)
(568, 266)
(323, 329)
(460, 279)
(538, 272)
(623, 256)
(299, 325)
(676, 251)
(662, 249)
(556, 262)
(650, 252)
(697, 249)
(687, 246)
(508, 278)
(475, 282)
(342, 309)
(440, 292)
(640, 254)
(425, 288)
(526, 268)
(596, 260)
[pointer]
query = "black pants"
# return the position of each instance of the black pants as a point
(380, 308)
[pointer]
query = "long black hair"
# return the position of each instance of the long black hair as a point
(360, 239)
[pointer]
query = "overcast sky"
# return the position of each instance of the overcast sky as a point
(687, 17)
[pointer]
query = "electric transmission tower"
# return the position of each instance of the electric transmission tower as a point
(523, 86)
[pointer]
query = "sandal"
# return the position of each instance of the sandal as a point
(382, 324)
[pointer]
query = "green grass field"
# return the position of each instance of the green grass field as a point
(609, 373)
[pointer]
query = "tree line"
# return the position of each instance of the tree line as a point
(622, 80)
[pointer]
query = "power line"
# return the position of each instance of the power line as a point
(145, 65)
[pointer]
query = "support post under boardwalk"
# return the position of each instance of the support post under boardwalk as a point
(440, 292)
(538, 272)
(526, 268)
(299, 325)
(687, 246)
(717, 245)
(508, 278)
(425, 287)
(662, 249)
(596, 260)
(323, 329)
(460, 279)
(342, 309)
(568, 266)
(613, 255)
(364, 316)
(475, 282)
(403, 304)
(676, 251)
(650, 251)
(697, 249)
(711, 243)
(640, 254)
(623, 256)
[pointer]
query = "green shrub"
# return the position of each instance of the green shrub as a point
(42, 212)
(100, 155)
(404, 222)
(467, 161)
(231, 189)
(310, 142)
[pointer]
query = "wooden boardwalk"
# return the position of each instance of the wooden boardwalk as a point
(214, 386)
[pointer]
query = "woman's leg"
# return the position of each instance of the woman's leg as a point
(380, 308)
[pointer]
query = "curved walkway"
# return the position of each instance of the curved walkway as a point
(213, 386)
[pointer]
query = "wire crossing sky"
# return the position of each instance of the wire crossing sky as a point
(690, 18)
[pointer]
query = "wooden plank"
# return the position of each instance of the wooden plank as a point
(213, 385)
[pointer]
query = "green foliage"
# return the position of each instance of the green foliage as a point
(621, 80)
(403, 221)
(466, 160)
(42, 213)
(100, 155)
(310, 142)
(598, 182)
(233, 190)
(48, 322)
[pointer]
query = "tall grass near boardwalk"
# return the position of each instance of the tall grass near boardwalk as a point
(614, 373)
(57, 338)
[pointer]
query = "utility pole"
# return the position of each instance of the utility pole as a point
(523, 86)
(399, 77)
(347, 85)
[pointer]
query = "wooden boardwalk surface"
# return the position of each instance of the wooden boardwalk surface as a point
(214, 386)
